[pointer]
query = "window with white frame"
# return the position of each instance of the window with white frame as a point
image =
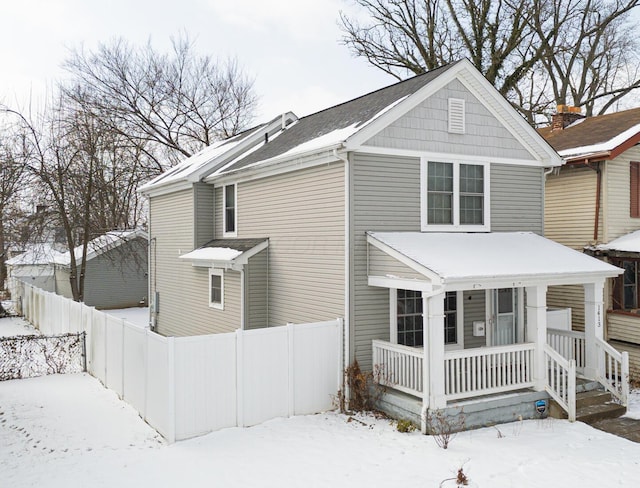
(454, 196)
(216, 288)
(229, 213)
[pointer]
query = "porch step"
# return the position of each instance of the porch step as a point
(591, 406)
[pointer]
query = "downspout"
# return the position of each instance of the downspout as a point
(347, 271)
(596, 223)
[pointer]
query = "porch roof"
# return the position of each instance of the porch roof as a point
(225, 252)
(497, 258)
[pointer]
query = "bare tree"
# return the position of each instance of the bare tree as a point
(166, 106)
(12, 180)
(535, 53)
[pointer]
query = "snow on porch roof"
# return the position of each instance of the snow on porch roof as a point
(626, 243)
(474, 256)
(225, 251)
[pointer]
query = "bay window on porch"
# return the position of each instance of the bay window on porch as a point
(468, 316)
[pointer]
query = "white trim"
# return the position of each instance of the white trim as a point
(245, 256)
(455, 226)
(459, 344)
(233, 233)
(167, 188)
(220, 273)
(433, 277)
(437, 156)
(400, 283)
(393, 316)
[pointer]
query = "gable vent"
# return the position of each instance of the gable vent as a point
(456, 116)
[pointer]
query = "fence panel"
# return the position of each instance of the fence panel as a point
(316, 366)
(264, 375)
(160, 400)
(115, 353)
(205, 384)
(134, 366)
(76, 323)
(98, 353)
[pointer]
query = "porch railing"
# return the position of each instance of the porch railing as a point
(482, 371)
(569, 344)
(614, 373)
(561, 380)
(398, 366)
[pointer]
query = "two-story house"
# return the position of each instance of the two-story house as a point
(593, 204)
(414, 212)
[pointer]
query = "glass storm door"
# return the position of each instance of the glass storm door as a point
(504, 316)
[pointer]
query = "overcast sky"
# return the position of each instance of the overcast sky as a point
(290, 47)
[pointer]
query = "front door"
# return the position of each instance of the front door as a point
(505, 316)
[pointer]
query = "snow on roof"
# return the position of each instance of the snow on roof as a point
(603, 146)
(100, 244)
(626, 243)
(456, 256)
(212, 254)
(36, 254)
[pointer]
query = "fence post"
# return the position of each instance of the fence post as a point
(172, 389)
(290, 370)
(239, 378)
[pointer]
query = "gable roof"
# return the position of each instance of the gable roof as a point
(100, 245)
(347, 126)
(36, 254)
(599, 137)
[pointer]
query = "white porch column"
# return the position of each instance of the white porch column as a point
(593, 328)
(537, 330)
(434, 343)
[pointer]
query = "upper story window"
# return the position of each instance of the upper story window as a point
(454, 196)
(230, 216)
(634, 198)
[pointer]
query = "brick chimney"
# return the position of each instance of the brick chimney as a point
(565, 115)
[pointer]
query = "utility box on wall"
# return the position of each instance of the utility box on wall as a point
(478, 329)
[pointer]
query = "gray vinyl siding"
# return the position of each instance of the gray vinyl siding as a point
(203, 214)
(474, 310)
(517, 198)
(386, 197)
(256, 291)
(63, 283)
(381, 264)
(183, 288)
(424, 128)
(302, 214)
(118, 277)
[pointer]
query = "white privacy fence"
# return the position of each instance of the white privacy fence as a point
(188, 386)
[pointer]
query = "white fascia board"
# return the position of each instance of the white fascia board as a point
(385, 151)
(400, 283)
(489, 92)
(433, 277)
(518, 281)
(277, 165)
(245, 256)
(166, 189)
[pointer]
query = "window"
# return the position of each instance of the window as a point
(450, 318)
(229, 214)
(454, 196)
(634, 197)
(409, 318)
(625, 287)
(216, 288)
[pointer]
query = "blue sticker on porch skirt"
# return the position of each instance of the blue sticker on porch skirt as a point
(541, 406)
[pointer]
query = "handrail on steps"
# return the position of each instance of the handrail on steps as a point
(560, 381)
(613, 372)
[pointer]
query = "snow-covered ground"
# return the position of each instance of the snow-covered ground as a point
(14, 326)
(68, 431)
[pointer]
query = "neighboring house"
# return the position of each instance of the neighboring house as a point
(116, 272)
(414, 212)
(36, 265)
(116, 275)
(593, 204)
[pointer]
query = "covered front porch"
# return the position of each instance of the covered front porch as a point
(468, 319)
